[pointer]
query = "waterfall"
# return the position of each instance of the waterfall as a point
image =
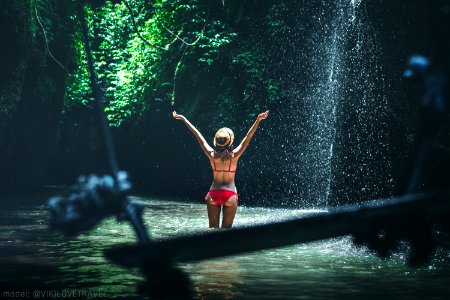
(339, 97)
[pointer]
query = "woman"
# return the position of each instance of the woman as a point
(223, 194)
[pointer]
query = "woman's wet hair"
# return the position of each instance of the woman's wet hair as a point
(222, 149)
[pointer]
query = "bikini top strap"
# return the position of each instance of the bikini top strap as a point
(229, 167)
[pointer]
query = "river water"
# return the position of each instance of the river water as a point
(34, 258)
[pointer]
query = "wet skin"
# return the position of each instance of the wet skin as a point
(223, 180)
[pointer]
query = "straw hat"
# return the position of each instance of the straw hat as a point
(224, 138)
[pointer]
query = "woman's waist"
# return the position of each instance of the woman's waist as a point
(223, 186)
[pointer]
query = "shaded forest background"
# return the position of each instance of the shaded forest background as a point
(219, 63)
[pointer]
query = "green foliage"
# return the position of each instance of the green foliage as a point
(142, 70)
(138, 74)
(216, 37)
(78, 90)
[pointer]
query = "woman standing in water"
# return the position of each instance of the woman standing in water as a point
(222, 194)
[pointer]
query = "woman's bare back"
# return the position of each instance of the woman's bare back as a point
(224, 165)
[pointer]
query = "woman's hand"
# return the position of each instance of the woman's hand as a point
(263, 116)
(177, 116)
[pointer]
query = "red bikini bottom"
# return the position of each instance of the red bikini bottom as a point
(221, 196)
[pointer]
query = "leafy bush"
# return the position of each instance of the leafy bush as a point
(138, 66)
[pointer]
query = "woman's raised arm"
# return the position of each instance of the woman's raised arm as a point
(243, 145)
(201, 140)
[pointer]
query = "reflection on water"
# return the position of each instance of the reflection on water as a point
(33, 256)
(216, 279)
